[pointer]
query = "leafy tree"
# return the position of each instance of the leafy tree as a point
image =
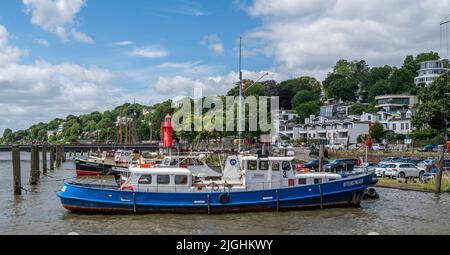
(357, 108)
(306, 109)
(434, 109)
(377, 131)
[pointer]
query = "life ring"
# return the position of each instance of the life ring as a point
(224, 198)
(127, 187)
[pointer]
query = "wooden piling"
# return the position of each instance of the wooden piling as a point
(438, 178)
(52, 157)
(44, 159)
(16, 170)
(34, 165)
(321, 152)
(63, 154)
(58, 155)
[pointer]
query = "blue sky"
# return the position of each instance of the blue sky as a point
(78, 56)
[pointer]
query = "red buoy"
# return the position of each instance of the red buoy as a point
(166, 132)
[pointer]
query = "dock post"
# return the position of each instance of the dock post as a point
(34, 168)
(57, 157)
(63, 153)
(52, 157)
(16, 170)
(44, 159)
(438, 178)
(321, 150)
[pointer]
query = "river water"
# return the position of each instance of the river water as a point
(39, 211)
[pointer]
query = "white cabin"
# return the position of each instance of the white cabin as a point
(240, 173)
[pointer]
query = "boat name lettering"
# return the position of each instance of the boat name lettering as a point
(267, 198)
(199, 201)
(352, 183)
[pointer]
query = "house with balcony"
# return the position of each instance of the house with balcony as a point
(398, 122)
(331, 130)
(429, 71)
(390, 103)
(286, 125)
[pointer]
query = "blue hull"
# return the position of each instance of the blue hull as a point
(349, 191)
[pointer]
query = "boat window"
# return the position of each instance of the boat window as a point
(302, 181)
(263, 165)
(163, 179)
(275, 166)
(251, 165)
(317, 181)
(286, 165)
(181, 179)
(145, 179)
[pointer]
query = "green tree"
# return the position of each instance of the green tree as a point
(357, 108)
(434, 109)
(377, 131)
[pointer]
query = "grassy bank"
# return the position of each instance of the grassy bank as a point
(417, 186)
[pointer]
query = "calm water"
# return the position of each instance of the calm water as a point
(39, 212)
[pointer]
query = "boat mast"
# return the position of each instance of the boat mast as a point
(240, 95)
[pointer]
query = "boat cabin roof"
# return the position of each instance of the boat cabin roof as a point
(160, 170)
(268, 158)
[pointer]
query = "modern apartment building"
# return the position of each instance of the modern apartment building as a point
(390, 103)
(430, 70)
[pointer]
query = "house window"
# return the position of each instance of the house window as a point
(163, 179)
(145, 179)
(394, 126)
(251, 165)
(403, 126)
(407, 126)
(181, 179)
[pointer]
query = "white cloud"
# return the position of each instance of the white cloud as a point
(309, 36)
(214, 43)
(123, 43)
(211, 85)
(57, 17)
(32, 93)
(8, 53)
(149, 52)
(42, 42)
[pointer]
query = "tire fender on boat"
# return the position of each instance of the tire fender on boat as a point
(224, 198)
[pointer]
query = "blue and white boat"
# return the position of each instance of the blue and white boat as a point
(248, 183)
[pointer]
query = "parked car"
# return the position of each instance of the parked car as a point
(404, 170)
(428, 148)
(313, 164)
(365, 167)
(335, 146)
(382, 168)
(426, 164)
(342, 165)
(414, 161)
(432, 172)
(378, 147)
(390, 159)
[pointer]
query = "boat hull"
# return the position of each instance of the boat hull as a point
(84, 167)
(346, 192)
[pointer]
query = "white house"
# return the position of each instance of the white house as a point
(331, 130)
(430, 70)
(398, 122)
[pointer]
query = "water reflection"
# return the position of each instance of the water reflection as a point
(40, 212)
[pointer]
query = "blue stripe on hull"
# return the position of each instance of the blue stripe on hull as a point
(342, 192)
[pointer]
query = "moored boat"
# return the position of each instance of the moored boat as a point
(248, 183)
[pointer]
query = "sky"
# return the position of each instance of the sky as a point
(60, 57)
